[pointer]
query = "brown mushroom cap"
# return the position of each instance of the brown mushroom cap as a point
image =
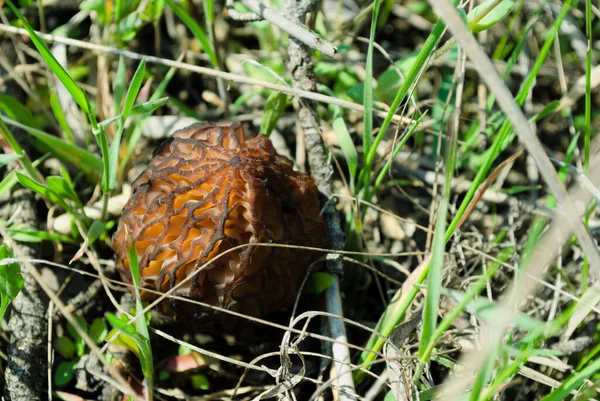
(206, 191)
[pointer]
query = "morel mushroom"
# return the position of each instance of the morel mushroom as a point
(206, 191)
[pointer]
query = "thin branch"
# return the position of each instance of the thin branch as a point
(294, 29)
(301, 68)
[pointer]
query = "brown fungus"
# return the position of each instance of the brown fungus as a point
(206, 191)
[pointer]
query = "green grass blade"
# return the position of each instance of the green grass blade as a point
(120, 83)
(386, 168)
(434, 279)
(196, 30)
(10, 179)
(274, 107)
(63, 150)
(115, 146)
(141, 326)
(347, 145)
(64, 77)
(16, 110)
(134, 88)
(408, 83)
(137, 131)
(485, 372)
(573, 382)
(395, 312)
(59, 114)
(12, 142)
(368, 89)
(505, 137)
(587, 129)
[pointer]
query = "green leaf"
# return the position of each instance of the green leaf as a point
(140, 334)
(368, 88)
(200, 382)
(98, 330)
(134, 88)
(141, 346)
(64, 373)
(119, 337)
(142, 108)
(15, 110)
(65, 347)
(137, 131)
(96, 230)
(59, 114)
(17, 149)
(149, 106)
(120, 82)
(64, 77)
(390, 80)
(8, 182)
(115, 146)
(61, 188)
(274, 107)
(10, 179)
(141, 326)
(153, 10)
(389, 396)
(548, 109)
(342, 134)
(488, 14)
(79, 343)
(11, 280)
(23, 233)
(318, 282)
(68, 152)
(128, 27)
(42, 190)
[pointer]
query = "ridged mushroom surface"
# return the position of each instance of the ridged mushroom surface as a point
(206, 191)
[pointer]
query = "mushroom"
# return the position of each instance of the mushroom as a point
(206, 191)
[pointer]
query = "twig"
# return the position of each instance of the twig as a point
(293, 28)
(306, 94)
(301, 66)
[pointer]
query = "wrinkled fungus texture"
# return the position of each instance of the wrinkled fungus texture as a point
(206, 191)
